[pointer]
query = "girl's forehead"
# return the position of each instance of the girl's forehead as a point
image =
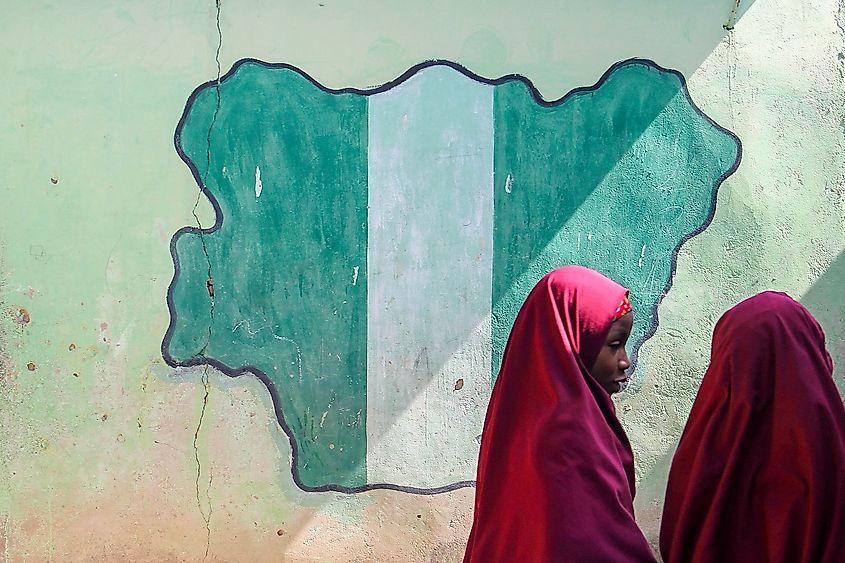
(623, 324)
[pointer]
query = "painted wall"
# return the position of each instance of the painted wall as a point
(293, 364)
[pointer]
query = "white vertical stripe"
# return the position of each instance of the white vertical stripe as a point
(429, 260)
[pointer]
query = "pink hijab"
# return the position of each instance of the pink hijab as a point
(556, 471)
(759, 474)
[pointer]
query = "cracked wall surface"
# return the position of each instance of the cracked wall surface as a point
(108, 453)
(205, 506)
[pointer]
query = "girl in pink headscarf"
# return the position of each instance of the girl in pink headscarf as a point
(556, 471)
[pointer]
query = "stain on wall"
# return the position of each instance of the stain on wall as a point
(372, 247)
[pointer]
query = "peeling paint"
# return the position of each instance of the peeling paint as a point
(258, 184)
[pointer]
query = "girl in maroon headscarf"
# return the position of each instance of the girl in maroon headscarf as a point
(556, 471)
(759, 474)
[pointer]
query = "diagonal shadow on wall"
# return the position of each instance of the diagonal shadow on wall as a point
(566, 177)
(826, 300)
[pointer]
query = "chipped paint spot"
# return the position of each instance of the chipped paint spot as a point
(22, 316)
(258, 185)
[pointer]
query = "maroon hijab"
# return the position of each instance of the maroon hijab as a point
(556, 472)
(759, 474)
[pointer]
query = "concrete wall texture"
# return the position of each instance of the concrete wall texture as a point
(258, 261)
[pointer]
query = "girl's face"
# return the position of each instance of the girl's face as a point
(612, 361)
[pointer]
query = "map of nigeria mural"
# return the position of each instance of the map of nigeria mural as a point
(372, 247)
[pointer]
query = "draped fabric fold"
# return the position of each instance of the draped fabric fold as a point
(556, 470)
(759, 473)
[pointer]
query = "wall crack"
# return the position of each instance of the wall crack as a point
(206, 508)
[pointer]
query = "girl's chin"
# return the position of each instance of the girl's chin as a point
(616, 386)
